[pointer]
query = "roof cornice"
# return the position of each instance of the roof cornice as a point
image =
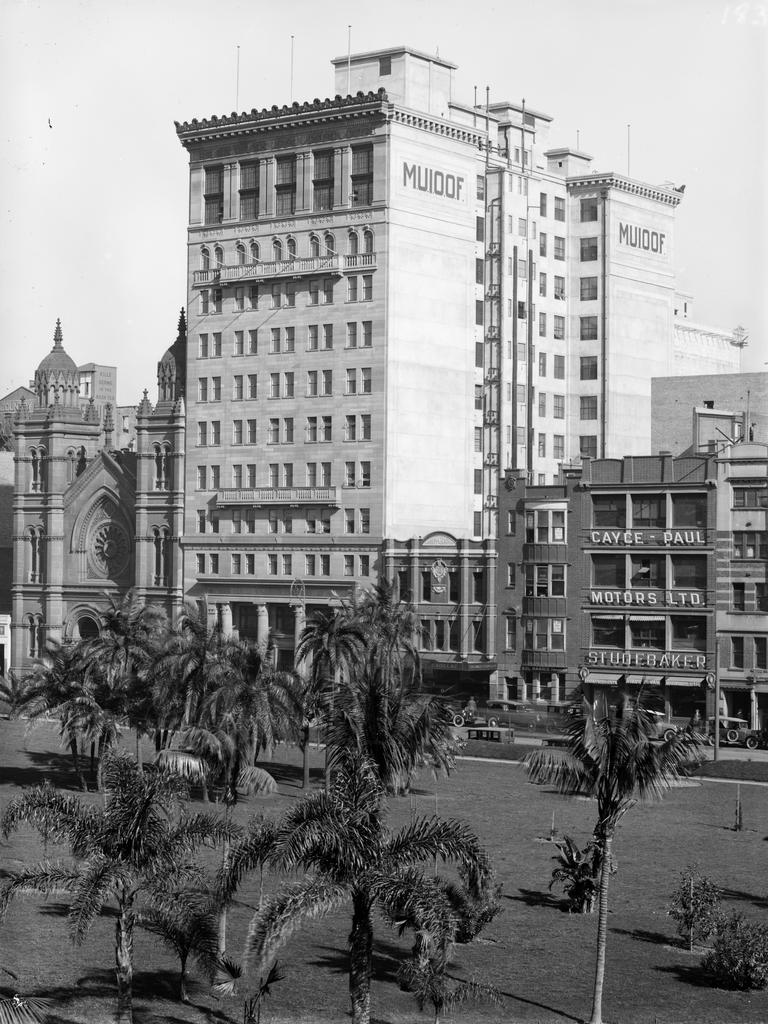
(610, 179)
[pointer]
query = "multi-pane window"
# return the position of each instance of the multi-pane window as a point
(238, 347)
(314, 292)
(367, 287)
(322, 180)
(559, 208)
(609, 510)
(649, 510)
(761, 652)
(328, 290)
(689, 572)
(542, 243)
(202, 434)
(588, 328)
(559, 248)
(559, 366)
(648, 572)
(285, 185)
(608, 631)
(542, 285)
(349, 565)
(365, 380)
(274, 385)
(350, 428)
(289, 339)
(326, 428)
(365, 520)
(202, 389)
(737, 652)
(351, 382)
(367, 333)
(253, 387)
(588, 446)
(249, 190)
(288, 384)
(609, 571)
(237, 432)
(545, 526)
(213, 194)
(588, 250)
(558, 407)
(542, 364)
(588, 210)
(738, 597)
(559, 287)
(251, 431)
(542, 445)
(542, 403)
(749, 544)
(588, 407)
(588, 367)
(558, 329)
(545, 581)
(558, 446)
(689, 510)
(352, 289)
(362, 175)
(648, 631)
(253, 342)
(750, 497)
(545, 634)
(273, 431)
(237, 388)
(587, 288)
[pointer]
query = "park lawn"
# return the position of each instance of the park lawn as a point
(541, 958)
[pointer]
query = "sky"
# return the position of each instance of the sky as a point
(94, 180)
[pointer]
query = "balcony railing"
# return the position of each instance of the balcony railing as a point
(300, 266)
(277, 496)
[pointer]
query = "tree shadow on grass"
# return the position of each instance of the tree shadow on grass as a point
(42, 766)
(386, 960)
(691, 974)
(656, 938)
(746, 897)
(542, 1006)
(535, 898)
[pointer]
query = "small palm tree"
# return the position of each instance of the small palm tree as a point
(578, 871)
(185, 921)
(615, 761)
(341, 837)
(22, 1009)
(122, 853)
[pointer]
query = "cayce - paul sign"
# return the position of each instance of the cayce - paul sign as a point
(639, 538)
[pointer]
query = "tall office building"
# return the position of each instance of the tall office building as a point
(394, 297)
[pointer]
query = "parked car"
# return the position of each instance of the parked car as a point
(733, 731)
(535, 716)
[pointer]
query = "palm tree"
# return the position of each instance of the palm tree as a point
(391, 627)
(22, 1009)
(342, 838)
(123, 853)
(185, 922)
(58, 686)
(131, 635)
(578, 872)
(614, 761)
(331, 644)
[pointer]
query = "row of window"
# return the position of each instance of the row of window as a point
(319, 383)
(743, 601)
(279, 251)
(740, 650)
(655, 632)
(316, 521)
(282, 340)
(248, 564)
(281, 430)
(684, 572)
(282, 475)
(649, 510)
(282, 294)
(445, 635)
(323, 168)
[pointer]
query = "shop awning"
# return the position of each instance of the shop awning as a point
(604, 678)
(690, 681)
(647, 618)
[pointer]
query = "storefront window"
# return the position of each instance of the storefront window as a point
(689, 633)
(608, 632)
(609, 510)
(648, 632)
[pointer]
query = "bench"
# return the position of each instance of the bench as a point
(484, 734)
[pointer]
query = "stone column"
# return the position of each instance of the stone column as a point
(535, 687)
(226, 619)
(340, 177)
(490, 600)
(303, 182)
(415, 566)
(299, 622)
(267, 187)
(465, 600)
(753, 718)
(262, 625)
(522, 688)
(230, 177)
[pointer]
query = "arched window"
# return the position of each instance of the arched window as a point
(82, 462)
(277, 250)
(240, 254)
(330, 243)
(314, 245)
(37, 458)
(205, 258)
(71, 465)
(218, 255)
(368, 241)
(87, 627)
(162, 467)
(34, 630)
(353, 243)
(161, 541)
(254, 252)
(291, 244)
(35, 537)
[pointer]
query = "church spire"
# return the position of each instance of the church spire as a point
(58, 339)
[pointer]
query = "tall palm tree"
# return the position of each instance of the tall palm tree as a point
(58, 686)
(342, 838)
(391, 628)
(131, 636)
(330, 647)
(122, 853)
(614, 761)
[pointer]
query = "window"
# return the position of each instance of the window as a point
(478, 439)
(274, 385)
(251, 431)
(239, 344)
(542, 403)
(542, 284)
(559, 208)
(648, 572)
(543, 526)
(559, 248)
(588, 367)
(689, 572)
(522, 229)
(558, 446)
(326, 428)
(202, 434)
(349, 474)
(213, 194)
(202, 389)
(750, 497)
(249, 190)
(285, 185)
(522, 351)
(253, 343)
(761, 598)
(749, 544)
(588, 249)
(322, 180)
(545, 634)
(365, 565)
(761, 652)
(588, 210)
(274, 340)
(367, 333)
(313, 343)
(253, 389)
(288, 384)
(311, 429)
(542, 243)
(588, 446)
(522, 269)
(202, 478)
(365, 474)
(288, 474)
(647, 631)
(737, 652)
(542, 364)
(309, 565)
(253, 302)
(273, 432)
(479, 229)
(737, 597)
(200, 564)
(289, 341)
(328, 291)
(588, 328)
(215, 477)
(542, 204)
(367, 287)
(477, 524)
(510, 632)
(588, 407)
(365, 380)
(558, 332)
(689, 510)
(352, 289)
(213, 565)
(559, 367)
(362, 170)
(559, 287)
(237, 432)
(326, 379)
(478, 353)
(237, 388)
(608, 631)
(240, 298)
(365, 427)
(609, 571)
(609, 510)
(236, 565)
(558, 407)
(588, 289)
(521, 311)
(288, 430)
(202, 346)
(649, 510)
(365, 520)
(480, 188)
(542, 445)
(314, 292)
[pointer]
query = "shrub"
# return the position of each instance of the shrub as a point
(739, 956)
(695, 906)
(578, 872)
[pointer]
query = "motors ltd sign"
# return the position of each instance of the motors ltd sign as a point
(649, 598)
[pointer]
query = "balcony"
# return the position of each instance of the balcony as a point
(277, 496)
(300, 266)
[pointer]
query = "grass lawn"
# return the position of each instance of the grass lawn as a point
(541, 958)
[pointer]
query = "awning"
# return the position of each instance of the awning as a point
(690, 681)
(604, 679)
(647, 618)
(642, 680)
